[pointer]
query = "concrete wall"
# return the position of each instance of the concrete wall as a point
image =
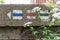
(9, 33)
(4, 19)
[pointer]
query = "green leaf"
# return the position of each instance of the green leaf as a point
(37, 38)
(51, 24)
(46, 38)
(32, 28)
(34, 32)
(2, 1)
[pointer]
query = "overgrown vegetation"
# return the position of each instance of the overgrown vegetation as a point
(51, 6)
(1, 1)
(48, 34)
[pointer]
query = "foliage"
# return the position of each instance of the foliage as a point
(49, 35)
(57, 21)
(51, 24)
(51, 1)
(2, 1)
(38, 13)
(51, 6)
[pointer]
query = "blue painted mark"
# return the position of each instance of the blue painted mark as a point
(17, 14)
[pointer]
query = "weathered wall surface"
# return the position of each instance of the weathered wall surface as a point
(4, 19)
(9, 33)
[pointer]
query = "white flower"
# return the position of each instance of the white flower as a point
(27, 24)
(58, 37)
(36, 9)
(56, 14)
(55, 10)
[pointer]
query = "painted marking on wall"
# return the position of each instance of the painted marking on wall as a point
(44, 15)
(17, 14)
(9, 15)
(30, 15)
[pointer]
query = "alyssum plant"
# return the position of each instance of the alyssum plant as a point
(48, 34)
